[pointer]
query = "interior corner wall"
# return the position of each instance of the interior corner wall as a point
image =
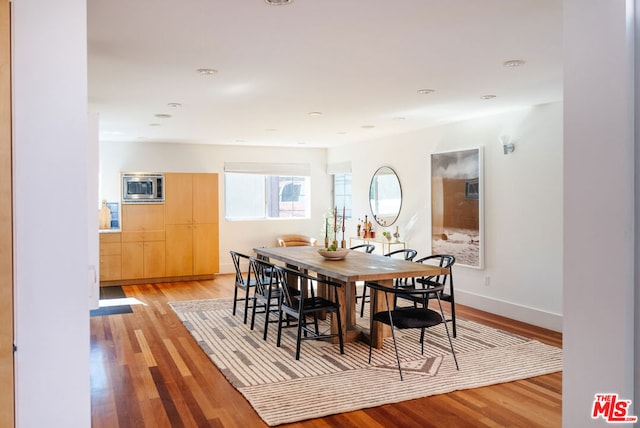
(49, 86)
(522, 277)
(598, 255)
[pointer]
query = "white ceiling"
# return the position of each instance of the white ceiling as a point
(359, 62)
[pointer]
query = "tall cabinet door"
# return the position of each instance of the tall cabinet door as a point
(191, 211)
(179, 249)
(178, 199)
(205, 198)
(205, 249)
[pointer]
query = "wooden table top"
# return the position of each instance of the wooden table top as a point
(356, 266)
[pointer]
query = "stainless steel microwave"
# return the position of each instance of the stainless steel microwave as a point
(142, 188)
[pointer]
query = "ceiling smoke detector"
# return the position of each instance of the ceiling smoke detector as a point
(277, 2)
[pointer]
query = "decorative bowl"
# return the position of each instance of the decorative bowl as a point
(338, 254)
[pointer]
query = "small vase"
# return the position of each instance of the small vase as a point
(397, 235)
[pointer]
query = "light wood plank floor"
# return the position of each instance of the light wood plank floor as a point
(147, 371)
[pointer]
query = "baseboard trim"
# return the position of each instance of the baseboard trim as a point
(156, 280)
(511, 310)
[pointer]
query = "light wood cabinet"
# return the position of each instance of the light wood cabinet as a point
(143, 241)
(191, 206)
(110, 257)
(206, 257)
(176, 239)
(142, 217)
(143, 259)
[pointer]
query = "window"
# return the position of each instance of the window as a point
(259, 196)
(342, 195)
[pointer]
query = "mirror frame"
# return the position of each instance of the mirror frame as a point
(371, 207)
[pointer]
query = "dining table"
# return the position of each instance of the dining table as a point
(355, 267)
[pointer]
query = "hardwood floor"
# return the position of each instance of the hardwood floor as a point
(147, 371)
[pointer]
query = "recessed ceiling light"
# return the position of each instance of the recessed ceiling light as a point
(277, 2)
(270, 130)
(315, 113)
(174, 105)
(487, 97)
(154, 124)
(207, 71)
(426, 91)
(399, 118)
(162, 116)
(514, 63)
(368, 126)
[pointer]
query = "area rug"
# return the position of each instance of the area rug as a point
(323, 382)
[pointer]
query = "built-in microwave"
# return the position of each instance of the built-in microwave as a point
(142, 187)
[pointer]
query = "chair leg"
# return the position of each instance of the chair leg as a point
(299, 338)
(235, 299)
(280, 320)
(253, 313)
(267, 311)
(444, 321)
(364, 298)
(453, 315)
(340, 338)
(395, 347)
(246, 303)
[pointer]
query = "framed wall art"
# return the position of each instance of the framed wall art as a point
(457, 205)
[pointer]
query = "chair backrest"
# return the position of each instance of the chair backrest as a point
(300, 281)
(368, 248)
(407, 253)
(262, 272)
(295, 240)
(238, 260)
(411, 292)
(442, 260)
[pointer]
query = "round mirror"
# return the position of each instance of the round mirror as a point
(385, 196)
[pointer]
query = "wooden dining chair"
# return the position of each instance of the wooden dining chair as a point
(407, 253)
(305, 307)
(295, 240)
(416, 317)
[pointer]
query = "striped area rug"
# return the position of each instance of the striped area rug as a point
(342, 383)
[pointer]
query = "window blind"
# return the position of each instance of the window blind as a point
(265, 168)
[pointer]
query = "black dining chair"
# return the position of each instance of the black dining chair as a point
(415, 317)
(267, 291)
(407, 253)
(446, 293)
(241, 265)
(367, 248)
(305, 307)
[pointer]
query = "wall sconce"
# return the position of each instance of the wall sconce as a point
(507, 145)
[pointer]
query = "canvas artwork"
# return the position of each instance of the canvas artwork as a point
(456, 205)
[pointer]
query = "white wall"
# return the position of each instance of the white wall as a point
(50, 219)
(599, 202)
(234, 235)
(523, 205)
(523, 200)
